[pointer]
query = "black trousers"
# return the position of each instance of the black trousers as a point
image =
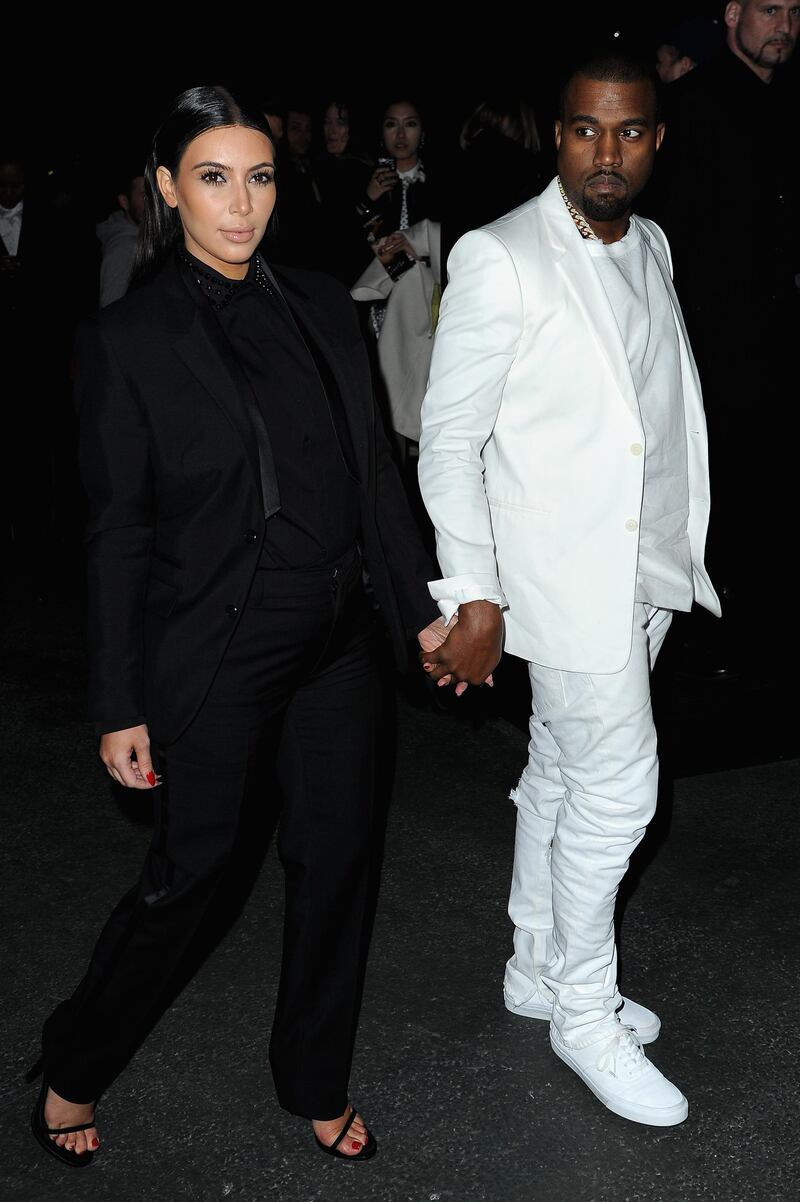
(299, 677)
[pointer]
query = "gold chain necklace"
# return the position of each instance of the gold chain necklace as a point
(584, 228)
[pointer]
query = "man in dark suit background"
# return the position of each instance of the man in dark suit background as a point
(727, 197)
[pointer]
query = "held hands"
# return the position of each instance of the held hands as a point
(467, 652)
(126, 755)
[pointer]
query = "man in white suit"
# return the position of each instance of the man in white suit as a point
(563, 461)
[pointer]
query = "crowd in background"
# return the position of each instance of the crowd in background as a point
(361, 196)
(376, 194)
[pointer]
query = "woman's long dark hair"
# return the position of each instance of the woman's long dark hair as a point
(192, 113)
(508, 115)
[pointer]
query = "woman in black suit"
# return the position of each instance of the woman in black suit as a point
(238, 485)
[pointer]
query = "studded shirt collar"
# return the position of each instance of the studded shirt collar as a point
(220, 290)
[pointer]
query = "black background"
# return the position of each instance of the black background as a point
(78, 96)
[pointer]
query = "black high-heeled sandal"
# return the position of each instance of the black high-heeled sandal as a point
(368, 1149)
(42, 1132)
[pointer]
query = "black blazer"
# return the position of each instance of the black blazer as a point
(170, 463)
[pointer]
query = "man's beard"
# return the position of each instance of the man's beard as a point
(767, 55)
(610, 207)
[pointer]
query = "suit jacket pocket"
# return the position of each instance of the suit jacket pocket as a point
(513, 507)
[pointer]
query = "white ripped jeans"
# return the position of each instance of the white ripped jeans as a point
(583, 804)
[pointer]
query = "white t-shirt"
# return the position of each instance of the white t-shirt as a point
(641, 305)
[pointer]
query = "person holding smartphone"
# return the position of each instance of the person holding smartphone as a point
(399, 290)
(398, 194)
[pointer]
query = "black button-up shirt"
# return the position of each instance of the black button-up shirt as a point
(318, 519)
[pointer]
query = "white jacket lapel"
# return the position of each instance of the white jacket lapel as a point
(664, 268)
(574, 264)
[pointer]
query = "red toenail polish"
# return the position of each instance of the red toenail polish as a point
(356, 1145)
(95, 1142)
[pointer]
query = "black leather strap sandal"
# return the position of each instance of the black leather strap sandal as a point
(368, 1149)
(43, 1133)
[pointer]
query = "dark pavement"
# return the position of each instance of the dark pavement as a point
(467, 1101)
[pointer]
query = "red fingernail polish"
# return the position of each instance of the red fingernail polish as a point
(95, 1142)
(151, 777)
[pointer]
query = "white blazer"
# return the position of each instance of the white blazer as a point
(531, 463)
(406, 341)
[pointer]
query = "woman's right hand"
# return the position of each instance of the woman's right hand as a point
(391, 246)
(126, 755)
(383, 179)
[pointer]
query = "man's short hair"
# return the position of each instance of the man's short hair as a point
(614, 66)
(696, 38)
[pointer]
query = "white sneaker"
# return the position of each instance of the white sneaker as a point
(644, 1022)
(620, 1075)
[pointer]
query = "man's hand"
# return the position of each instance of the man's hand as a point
(470, 652)
(126, 755)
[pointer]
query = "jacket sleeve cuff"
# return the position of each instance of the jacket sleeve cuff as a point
(458, 590)
(124, 723)
(374, 283)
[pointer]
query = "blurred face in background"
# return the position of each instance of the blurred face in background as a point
(671, 64)
(298, 133)
(132, 201)
(336, 128)
(402, 132)
(224, 191)
(12, 184)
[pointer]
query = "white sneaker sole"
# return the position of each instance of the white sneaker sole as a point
(647, 1034)
(665, 1116)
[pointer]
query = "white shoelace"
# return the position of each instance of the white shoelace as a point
(622, 1052)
